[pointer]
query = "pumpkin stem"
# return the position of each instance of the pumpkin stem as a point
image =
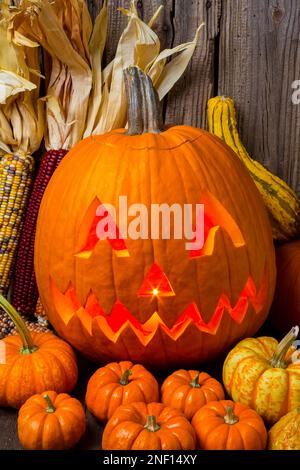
(125, 377)
(277, 360)
(28, 345)
(144, 108)
(152, 424)
(50, 407)
(195, 382)
(230, 417)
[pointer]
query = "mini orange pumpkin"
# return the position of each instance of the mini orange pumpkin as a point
(51, 422)
(32, 363)
(118, 384)
(139, 426)
(189, 390)
(225, 425)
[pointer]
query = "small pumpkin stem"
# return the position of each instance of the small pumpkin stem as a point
(195, 382)
(125, 377)
(277, 360)
(152, 424)
(50, 407)
(230, 417)
(28, 345)
(144, 107)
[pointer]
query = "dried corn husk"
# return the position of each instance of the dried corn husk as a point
(138, 45)
(82, 99)
(63, 28)
(21, 116)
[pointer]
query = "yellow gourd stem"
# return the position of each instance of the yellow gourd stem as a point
(230, 417)
(152, 424)
(124, 379)
(277, 359)
(28, 345)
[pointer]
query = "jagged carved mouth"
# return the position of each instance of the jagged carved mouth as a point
(113, 324)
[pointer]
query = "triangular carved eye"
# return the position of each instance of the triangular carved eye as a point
(156, 284)
(216, 217)
(89, 236)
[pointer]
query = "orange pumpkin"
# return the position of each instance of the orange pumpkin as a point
(119, 384)
(139, 426)
(51, 422)
(189, 390)
(285, 312)
(32, 363)
(225, 425)
(153, 301)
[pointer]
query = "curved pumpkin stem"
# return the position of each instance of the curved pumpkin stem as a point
(50, 407)
(230, 417)
(125, 376)
(277, 360)
(195, 382)
(152, 424)
(28, 345)
(144, 108)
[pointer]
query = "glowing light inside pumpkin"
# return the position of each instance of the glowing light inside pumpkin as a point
(118, 244)
(215, 217)
(120, 318)
(156, 282)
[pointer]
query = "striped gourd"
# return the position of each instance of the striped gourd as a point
(16, 174)
(25, 293)
(281, 201)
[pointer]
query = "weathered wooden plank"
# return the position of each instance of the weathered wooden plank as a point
(259, 60)
(163, 25)
(188, 99)
(117, 21)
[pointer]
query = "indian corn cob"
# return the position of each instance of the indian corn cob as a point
(25, 293)
(281, 201)
(15, 184)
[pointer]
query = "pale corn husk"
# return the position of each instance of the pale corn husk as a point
(63, 28)
(138, 46)
(82, 99)
(21, 116)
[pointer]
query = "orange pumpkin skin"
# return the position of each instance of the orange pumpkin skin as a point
(189, 390)
(91, 291)
(216, 430)
(58, 428)
(118, 384)
(285, 312)
(52, 366)
(154, 426)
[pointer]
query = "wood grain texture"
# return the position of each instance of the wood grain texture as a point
(187, 101)
(259, 59)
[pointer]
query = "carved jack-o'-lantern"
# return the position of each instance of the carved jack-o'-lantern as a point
(151, 300)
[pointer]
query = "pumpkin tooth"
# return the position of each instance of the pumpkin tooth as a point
(120, 318)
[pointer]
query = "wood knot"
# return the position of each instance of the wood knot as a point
(277, 14)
